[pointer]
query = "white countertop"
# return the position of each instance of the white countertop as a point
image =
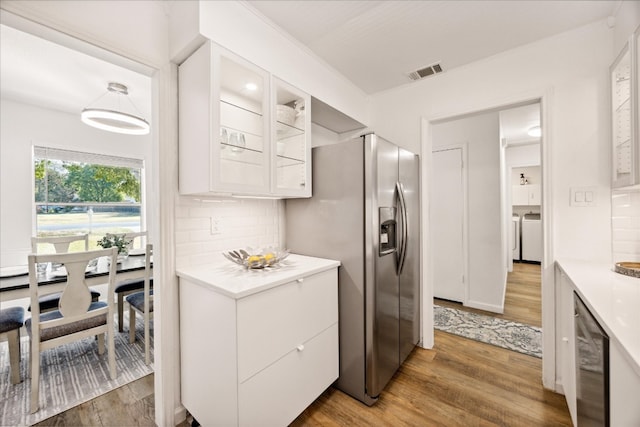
(613, 298)
(236, 282)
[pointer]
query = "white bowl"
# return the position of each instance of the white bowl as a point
(285, 114)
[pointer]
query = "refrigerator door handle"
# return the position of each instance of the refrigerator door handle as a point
(402, 253)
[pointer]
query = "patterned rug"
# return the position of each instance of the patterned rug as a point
(70, 374)
(491, 330)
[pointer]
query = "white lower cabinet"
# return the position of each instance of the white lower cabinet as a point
(567, 343)
(276, 395)
(261, 359)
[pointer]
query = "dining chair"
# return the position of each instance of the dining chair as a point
(142, 303)
(127, 287)
(60, 244)
(11, 320)
(76, 317)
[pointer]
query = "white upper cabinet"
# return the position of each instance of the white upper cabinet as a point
(624, 118)
(525, 195)
(241, 131)
(291, 132)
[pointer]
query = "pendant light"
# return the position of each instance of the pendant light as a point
(535, 131)
(115, 119)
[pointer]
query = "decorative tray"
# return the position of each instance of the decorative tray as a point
(628, 268)
(257, 258)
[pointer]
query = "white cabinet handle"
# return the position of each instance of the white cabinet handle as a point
(565, 339)
(300, 280)
(300, 347)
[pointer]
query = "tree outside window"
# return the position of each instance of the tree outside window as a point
(75, 197)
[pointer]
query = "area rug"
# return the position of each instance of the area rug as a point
(491, 330)
(70, 374)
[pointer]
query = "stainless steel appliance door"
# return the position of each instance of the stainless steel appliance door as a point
(382, 311)
(409, 178)
(592, 368)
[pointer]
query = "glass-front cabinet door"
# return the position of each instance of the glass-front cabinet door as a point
(291, 134)
(242, 138)
(241, 130)
(622, 120)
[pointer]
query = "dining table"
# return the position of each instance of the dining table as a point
(14, 282)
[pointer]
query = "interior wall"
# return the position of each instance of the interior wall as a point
(625, 224)
(21, 127)
(523, 155)
(486, 272)
(571, 69)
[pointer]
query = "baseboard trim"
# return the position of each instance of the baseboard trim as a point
(485, 307)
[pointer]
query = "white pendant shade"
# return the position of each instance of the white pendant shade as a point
(535, 132)
(114, 120)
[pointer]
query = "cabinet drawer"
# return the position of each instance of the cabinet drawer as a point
(278, 394)
(273, 322)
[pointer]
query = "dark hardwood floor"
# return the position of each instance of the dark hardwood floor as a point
(460, 382)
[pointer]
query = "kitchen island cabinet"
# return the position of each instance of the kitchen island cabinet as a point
(613, 299)
(257, 346)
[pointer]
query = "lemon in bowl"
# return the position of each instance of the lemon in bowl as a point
(255, 261)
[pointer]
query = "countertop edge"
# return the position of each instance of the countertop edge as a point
(201, 275)
(576, 271)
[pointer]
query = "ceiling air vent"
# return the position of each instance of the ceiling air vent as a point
(425, 72)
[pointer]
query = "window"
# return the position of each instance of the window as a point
(78, 193)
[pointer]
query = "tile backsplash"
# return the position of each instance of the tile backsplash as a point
(240, 223)
(625, 225)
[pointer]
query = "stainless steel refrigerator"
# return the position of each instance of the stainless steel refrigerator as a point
(365, 212)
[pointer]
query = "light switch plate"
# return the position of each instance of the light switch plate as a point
(583, 196)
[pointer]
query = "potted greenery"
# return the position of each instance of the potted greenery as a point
(116, 240)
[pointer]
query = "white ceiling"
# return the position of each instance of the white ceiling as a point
(373, 43)
(39, 72)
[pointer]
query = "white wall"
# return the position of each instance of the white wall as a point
(523, 155)
(625, 224)
(571, 71)
(486, 269)
(21, 127)
(242, 223)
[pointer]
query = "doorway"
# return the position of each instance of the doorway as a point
(516, 295)
(54, 120)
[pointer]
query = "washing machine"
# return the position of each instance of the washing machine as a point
(515, 237)
(531, 238)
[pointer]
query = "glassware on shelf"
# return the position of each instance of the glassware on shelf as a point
(237, 141)
(224, 138)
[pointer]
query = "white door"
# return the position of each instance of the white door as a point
(447, 225)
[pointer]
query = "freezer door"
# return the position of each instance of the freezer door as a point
(409, 178)
(381, 175)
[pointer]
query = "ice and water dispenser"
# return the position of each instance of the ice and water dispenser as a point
(387, 231)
